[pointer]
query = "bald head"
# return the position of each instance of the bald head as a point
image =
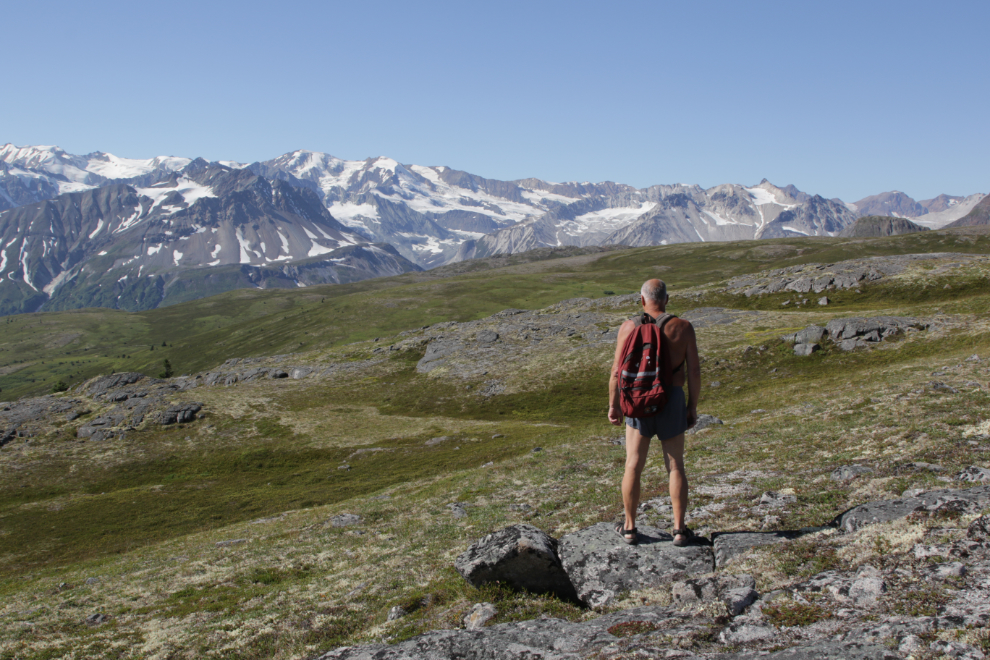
(655, 292)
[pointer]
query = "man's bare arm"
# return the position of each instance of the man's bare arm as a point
(693, 375)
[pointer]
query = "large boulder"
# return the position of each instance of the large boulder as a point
(520, 556)
(179, 414)
(601, 565)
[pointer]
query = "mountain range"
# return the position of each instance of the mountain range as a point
(99, 230)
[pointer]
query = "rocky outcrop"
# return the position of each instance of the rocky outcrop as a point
(931, 504)
(851, 333)
(818, 278)
(871, 226)
(601, 565)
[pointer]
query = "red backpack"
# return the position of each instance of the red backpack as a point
(644, 368)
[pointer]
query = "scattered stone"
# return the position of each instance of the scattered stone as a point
(432, 442)
(973, 358)
(519, 507)
(497, 436)
(942, 387)
(97, 619)
(746, 632)
(487, 337)
(866, 590)
(299, 373)
(824, 301)
(92, 580)
(488, 464)
(974, 474)
(458, 510)
(715, 383)
(774, 499)
(345, 466)
(537, 449)
(228, 543)
(952, 569)
(601, 565)
(848, 472)
(396, 613)
(277, 373)
(346, 520)
(737, 592)
(704, 422)
(479, 615)
(520, 556)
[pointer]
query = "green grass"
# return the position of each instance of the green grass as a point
(203, 333)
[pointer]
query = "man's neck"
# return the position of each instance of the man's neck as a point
(654, 311)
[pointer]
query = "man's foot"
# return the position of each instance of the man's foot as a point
(630, 536)
(682, 537)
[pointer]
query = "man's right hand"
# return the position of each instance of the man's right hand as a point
(615, 415)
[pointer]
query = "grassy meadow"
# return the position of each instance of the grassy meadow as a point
(217, 538)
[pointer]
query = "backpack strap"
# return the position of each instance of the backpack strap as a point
(666, 373)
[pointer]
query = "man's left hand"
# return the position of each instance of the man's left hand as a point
(692, 418)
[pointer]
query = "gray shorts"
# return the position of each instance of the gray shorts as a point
(671, 422)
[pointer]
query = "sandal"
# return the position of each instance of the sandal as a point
(687, 535)
(630, 536)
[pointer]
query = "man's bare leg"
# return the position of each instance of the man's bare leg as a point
(673, 458)
(637, 446)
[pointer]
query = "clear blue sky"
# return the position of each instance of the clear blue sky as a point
(844, 99)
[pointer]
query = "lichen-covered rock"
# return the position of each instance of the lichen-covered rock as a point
(181, 413)
(704, 422)
(979, 529)
(970, 499)
(730, 545)
(847, 472)
(100, 385)
(479, 615)
(520, 556)
(601, 565)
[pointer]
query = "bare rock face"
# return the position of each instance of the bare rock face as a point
(601, 565)
(520, 556)
(98, 387)
(933, 503)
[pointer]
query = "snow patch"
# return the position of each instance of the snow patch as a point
(796, 231)
(245, 247)
(96, 231)
(154, 249)
(176, 257)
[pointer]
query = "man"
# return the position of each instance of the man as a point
(669, 426)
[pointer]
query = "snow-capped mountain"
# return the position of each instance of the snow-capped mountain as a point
(204, 215)
(168, 215)
(931, 213)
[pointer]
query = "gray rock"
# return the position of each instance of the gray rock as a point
(300, 372)
(229, 542)
(179, 414)
(810, 335)
(436, 441)
(520, 556)
(952, 569)
(774, 499)
(823, 300)
(736, 591)
(974, 474)
(704, 422)
(277, 374)
(804, 350)
(927, 503)
(866, 590)
(850, 344)
(737, 600)
(98, 387)
(92, 580)
(346, 520)
(97, 619)
(730, 545)
(436, 352)
(601, 565)
(458, 509)
(396, 613)
(487, 337)
(747, 632)
(479, 615)
(847, 472)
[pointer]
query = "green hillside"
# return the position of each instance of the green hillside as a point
(37, 350)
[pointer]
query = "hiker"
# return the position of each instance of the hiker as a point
(679, 360)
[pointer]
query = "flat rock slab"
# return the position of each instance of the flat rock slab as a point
(730, 545)
(601, 565)
(888, 510)
(544, 639)
(822, 651)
